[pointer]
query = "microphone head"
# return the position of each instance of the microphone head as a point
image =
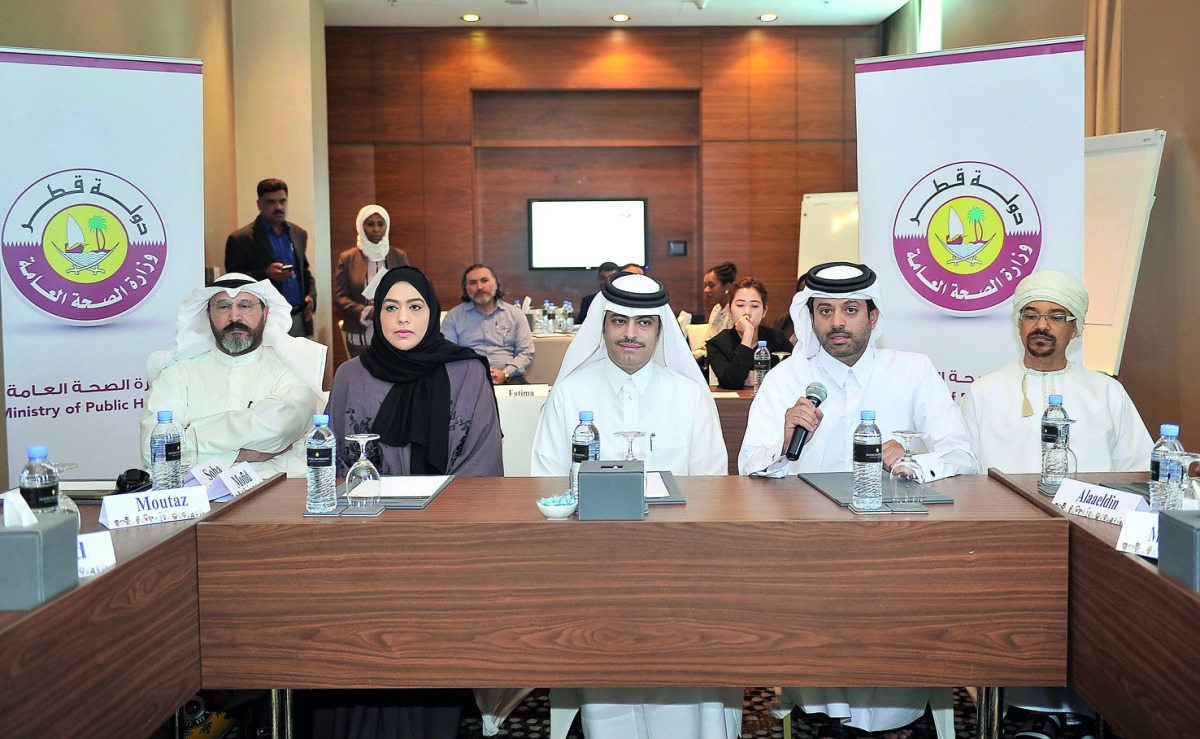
(816, 392)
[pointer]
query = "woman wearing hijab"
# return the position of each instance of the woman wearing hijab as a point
(355, 269)
(432, 404)
(731, 352)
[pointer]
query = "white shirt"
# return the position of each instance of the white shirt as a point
(901, 387)
(679, 412)
(226, 403)
(1107, 434)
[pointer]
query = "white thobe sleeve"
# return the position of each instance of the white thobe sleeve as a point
(1131, 452)
(169, 390)
(552, 440)
(935, 414)
(763, 442)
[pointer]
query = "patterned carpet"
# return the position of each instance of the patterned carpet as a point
(531, 720)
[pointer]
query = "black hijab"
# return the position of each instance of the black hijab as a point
(416, 411)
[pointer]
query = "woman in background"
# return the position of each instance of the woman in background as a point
(731, 352)
(356, 267)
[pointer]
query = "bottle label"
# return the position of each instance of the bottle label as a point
(1049, 433)
(173, 451)
(1154, 470)
(868, 453)
(579, 452)
(43, 496)
(320, 457)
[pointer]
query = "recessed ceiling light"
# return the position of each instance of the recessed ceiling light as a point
(470, 18)
(768, 17)
(620, 18)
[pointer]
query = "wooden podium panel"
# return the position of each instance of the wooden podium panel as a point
(752, 582)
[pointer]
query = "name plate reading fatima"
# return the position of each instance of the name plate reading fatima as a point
(156, 506)
(233, 482)
(522, 391)
(1139, 534)
(1098, 502)
(95, 553)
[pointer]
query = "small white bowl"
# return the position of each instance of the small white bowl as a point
(557, 512)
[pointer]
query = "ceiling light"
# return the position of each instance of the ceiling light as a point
(470, 18)
(620, 18)
(768, 17)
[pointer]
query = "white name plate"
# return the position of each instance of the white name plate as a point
(1098, 502)
(204, 473)
(233, 482)
(155, 506)
(1139, 534)
(522, 391)
(95, 553)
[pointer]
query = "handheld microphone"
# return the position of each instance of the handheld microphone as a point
(817, 393)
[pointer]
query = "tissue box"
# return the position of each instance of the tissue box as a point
(40, 561)
(1179, 547)
(612, 490)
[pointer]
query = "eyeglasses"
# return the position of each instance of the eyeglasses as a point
(1031, 317)
(244, 306)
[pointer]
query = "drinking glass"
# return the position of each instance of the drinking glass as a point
(629, 437)
(779, 357)
(906, 475)
(362, 480)
(1181, 486)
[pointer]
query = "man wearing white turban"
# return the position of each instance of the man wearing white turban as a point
(838, 317)
(1003, 413)
(240, 387)
(1003, 409)
(631, 365)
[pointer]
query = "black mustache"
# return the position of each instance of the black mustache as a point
(1041, 332)
(236, 327)
(631, 340)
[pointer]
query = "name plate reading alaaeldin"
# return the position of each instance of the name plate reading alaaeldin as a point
(155, 506)
(1098, 502)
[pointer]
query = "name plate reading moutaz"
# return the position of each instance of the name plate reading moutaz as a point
(156, 506)
(1098, 502)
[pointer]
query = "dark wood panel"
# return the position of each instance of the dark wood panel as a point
(587, 118)
(449, 247)
(349, 95)
(396, 88)
(585, 59)
(460, 593)
(820, 74)
(725, 98)
(855, 47)
(773, 88)
(446, 88)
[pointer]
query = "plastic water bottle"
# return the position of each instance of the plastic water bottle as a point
(319, 448)
(1166, 475)
(762, 364)
(1058, 461)
(585, 446)
(570, 315)
(1054, 422)
(166, 453)
(39, 481)
(868, 464)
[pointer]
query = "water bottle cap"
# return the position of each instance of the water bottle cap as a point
(320, 420)
(586, 416)
(165, 416)
(867, 415)
(1169, 429)
(1055, 400)
(37, 451)
(762, 343)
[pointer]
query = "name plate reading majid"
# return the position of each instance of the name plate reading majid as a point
(95, 553)
(1098, 502)
(1139, 534)
(233, 482)
(204, 473)
(155, 506)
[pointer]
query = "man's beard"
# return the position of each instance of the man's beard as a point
(1040, 351)
(483, 297)
(238, 338)
(852, 348)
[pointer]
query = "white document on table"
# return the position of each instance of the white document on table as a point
(413, 486)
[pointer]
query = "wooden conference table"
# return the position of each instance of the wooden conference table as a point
(1133, 632)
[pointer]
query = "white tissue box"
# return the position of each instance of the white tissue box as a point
(37, 562)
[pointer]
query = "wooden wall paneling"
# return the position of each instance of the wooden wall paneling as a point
(446, 88)
(725, 188)
(583, 59)
(449, 223)
(849, 166)
(773, 86)
(348, 84)
(865, 46)
(586, 118)
(351, 186)
(400, 187)
(725, 95)
(396, 87)
(774, 242)
(820, 88)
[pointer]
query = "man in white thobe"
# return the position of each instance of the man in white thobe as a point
(632, 367)
(838, 317)
(240, 387)
(1003, 413)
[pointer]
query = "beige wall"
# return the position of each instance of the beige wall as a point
(1160, 73)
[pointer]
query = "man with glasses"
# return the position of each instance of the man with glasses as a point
(1003, 410)
(240, 387)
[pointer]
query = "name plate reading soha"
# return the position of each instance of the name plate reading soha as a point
(233, 482)
(95, 553)
(1098, 502)
(204, 473)
(155, 506)
(1139, 534)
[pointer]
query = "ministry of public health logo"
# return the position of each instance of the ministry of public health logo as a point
(84, 245)
(965, 235)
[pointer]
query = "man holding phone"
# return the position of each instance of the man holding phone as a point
(272, 249)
